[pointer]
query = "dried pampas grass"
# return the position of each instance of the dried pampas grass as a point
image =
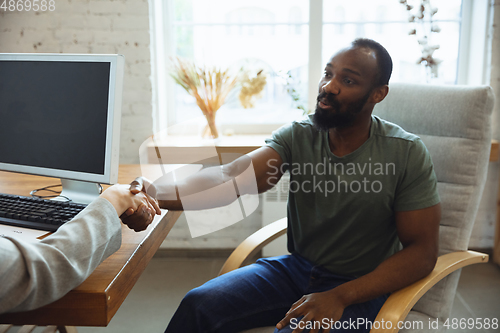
(208, 85)
(251, 88)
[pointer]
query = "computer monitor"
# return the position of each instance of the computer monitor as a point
(60, 117)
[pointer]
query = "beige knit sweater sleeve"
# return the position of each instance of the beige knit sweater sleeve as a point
(35, 274)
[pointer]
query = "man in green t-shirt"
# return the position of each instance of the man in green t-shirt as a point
(363, 213)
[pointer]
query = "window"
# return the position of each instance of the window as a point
(281, 36)
(381, 17)
(339, 20)
(295, 19)
(250, 21)
(268, 35)
(387, 21)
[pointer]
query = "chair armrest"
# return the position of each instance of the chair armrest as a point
(399, 304)
(254, 243)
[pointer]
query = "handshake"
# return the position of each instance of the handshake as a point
(205, 194)
(135, 207)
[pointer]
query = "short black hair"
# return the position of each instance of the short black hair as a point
(384, 60)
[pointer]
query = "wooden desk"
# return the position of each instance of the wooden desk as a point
(98, 298)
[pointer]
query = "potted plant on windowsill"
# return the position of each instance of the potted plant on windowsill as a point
(208, 85)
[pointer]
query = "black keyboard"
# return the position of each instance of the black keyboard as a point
(35, 213)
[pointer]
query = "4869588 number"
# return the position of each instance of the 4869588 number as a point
(28, 5)
(471, 323)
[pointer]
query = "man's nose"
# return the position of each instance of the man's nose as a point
(331, 87)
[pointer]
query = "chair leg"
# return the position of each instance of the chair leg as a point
(4, 328)
(67, 329)
(26, 329)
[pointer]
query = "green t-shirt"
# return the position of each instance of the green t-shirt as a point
(341, 209)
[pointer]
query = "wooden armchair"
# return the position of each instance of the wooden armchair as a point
(454, 123)
(397, 306)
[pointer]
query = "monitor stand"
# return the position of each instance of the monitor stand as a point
(79, 192)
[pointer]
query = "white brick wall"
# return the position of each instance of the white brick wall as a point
(95, 26)
(483, 232)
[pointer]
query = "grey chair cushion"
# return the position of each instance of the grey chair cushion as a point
(454, 123)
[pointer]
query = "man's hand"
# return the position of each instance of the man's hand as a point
(140, 218)
(315, 308)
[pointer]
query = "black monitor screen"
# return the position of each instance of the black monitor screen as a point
(53, 114)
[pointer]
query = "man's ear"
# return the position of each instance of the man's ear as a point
(379, 94)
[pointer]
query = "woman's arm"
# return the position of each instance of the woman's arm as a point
(35, 274)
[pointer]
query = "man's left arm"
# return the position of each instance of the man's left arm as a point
(418, 231)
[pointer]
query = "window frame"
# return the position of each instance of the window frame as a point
(473, 57)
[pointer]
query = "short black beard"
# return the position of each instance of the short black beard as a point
(324, 119)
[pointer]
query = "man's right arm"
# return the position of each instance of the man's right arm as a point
(266, 165)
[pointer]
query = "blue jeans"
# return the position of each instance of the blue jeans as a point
(259, 295)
